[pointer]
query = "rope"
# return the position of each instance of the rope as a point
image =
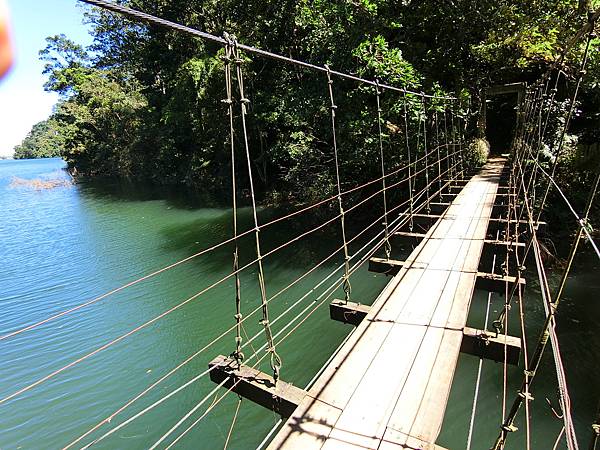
(437, 146)
(460, 144)
(227, 59)
(410, 185)
(274, 358)
(387, 245)
(141, 16)
(235, 415)
(347, 287)
(446, 139)
(424, 119)
(595, 431)
(590, 37)
(249, 341)
(479, 369)
(548, 332)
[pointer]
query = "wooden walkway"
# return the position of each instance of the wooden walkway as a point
(388, 386)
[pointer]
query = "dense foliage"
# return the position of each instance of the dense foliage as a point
(145, 102)
(45, 140)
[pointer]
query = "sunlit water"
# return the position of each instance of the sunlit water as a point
(66, 245)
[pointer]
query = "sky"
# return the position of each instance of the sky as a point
(23, 101)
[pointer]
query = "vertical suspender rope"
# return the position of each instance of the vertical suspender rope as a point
(410, 182)
(460, 144)
(595, 431)
(275, 360)
(346, 284)
(437, 147)
(448, 165)
(227, 59)
(454, 145)
(387, 245)
(547, 105)
(424, 105)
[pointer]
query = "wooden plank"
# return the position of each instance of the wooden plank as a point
(335, 386)
(379, 397)
(453, 308)
(498, 243)
(428, 389)
(419, 307)
(348, 312)
(304, 430)
(394, 440)
(496, 283)
(409, 234)
(365, 418)
(485, 345)
(282, 398)
(384, 265)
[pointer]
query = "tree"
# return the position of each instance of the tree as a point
(45, 140)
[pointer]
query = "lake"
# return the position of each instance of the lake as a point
(65, 245)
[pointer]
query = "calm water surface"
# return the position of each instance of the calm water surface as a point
(63, 246)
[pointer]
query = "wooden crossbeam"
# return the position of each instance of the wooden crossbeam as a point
(384, 265)
(348, 312)
(503, 221)
(456, 182)
(495, 223)
(475, 342)
(486, 345)
(496, 283)
(438, 207)
(282, 398)
(410, 234)
(507, 244)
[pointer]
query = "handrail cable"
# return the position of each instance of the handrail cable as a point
(108, 419)
(331, 290)
(591, 35)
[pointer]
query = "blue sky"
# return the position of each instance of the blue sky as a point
(23, 101)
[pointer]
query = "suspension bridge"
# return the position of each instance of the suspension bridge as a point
(469, 229)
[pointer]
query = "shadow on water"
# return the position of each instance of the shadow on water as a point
(210, 222)
(175, 196)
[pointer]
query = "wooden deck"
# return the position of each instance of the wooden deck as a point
(388, 386)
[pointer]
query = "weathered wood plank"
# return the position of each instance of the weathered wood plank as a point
(282, 398)
(348, 312)
(486, 345)
(384, 265)
(379, 397)
(307, 429)
(366, 414)
(496, 283)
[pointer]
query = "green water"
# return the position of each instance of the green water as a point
(63, 246)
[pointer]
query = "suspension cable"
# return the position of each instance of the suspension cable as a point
(138, 15)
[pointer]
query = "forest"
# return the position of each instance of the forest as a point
(145, 102)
